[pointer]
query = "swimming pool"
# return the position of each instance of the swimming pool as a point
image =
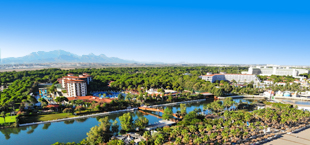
(108, 94)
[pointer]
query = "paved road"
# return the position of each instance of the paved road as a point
(300, 138)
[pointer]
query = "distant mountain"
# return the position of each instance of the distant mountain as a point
(61, 56)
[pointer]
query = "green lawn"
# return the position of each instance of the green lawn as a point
(47, 117)
(7, 119)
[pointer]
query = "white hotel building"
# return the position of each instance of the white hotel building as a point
(276, 70)
(240, 78)
(75, 85)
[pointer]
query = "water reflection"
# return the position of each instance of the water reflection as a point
(8, 131)
(297, 102)
(46, 126)
(75, 130)
(69, 121)
(32, 128)
(81, 120)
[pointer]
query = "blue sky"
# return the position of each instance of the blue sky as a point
(245, 32)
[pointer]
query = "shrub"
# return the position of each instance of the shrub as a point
(79, 108)
(67, 110)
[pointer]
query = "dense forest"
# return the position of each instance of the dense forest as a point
(22, 83)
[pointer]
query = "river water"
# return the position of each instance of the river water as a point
(297, 102)
(73, 130)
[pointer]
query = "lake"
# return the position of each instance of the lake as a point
(73, 130)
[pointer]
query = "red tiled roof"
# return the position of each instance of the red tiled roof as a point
(206, 93)
(90, 98)
(76, 80)
(110, 83)
(70, 77)
(52, 105)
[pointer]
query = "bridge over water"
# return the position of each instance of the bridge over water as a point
(157, 110)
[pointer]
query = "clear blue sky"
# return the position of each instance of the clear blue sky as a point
(249, 31)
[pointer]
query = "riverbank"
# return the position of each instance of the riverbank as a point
(105, 113)
(176, 103)
(262, 97)
(78, 117)
(299, 106)
(243, 96)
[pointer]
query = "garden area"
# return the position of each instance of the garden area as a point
(8, 119)
(44, 117)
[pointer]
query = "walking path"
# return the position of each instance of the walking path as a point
(300, 138)
(261, 97)
(300, 106)
(104, 113)
(175, 103)
(78, 117)
(157, 110)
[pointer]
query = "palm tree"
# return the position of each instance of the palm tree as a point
(205, 138)
(198, 140)
(147, 135)
(225, 136)
(226, 115)
(192, 128)
(178, 141)
(209, 127)
(212, 137)
(186, 139)
(184, 132)
(201, 128)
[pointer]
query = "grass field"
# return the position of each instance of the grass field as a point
(47, 117)
(7, 119)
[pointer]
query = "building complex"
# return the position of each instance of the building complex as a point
(276, 70)
(240, 78)
(75, 85)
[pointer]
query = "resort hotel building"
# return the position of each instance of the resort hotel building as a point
(75, 85)
(276, 70)
(240, 78)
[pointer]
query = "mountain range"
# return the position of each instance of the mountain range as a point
(61, 56)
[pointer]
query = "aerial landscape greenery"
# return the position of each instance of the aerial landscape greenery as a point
(220, 125)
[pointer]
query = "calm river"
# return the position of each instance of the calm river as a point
(72, 130)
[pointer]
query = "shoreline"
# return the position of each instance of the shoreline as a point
(262, 97)
(105, 113)
(300, 106)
